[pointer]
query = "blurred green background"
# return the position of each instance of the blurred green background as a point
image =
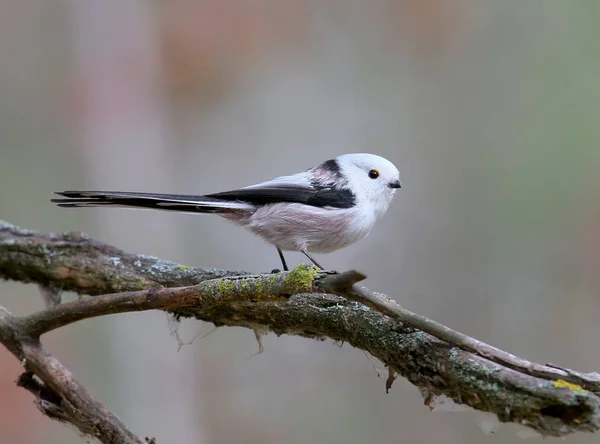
(490, 110)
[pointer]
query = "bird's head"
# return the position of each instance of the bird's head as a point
(373, 179)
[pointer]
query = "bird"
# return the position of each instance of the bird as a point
(319, 210)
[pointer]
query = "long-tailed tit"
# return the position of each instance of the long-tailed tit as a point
(319, 210)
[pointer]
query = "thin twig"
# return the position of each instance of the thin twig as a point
(385, 305)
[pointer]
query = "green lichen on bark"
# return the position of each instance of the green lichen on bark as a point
(260, 287)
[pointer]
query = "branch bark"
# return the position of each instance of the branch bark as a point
(303, 302)
(59, 395)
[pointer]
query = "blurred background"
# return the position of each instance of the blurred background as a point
(490, 110)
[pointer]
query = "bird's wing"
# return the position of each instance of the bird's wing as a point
(297, 188)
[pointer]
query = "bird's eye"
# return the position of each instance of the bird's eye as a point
(374, 174)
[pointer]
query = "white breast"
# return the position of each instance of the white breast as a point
(292, 226)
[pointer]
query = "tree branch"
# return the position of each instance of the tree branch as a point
(386, 306)
(60, 396)
(74, 262)
(551, 400)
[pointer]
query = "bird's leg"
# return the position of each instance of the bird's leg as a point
(312, 259)
(285, 267)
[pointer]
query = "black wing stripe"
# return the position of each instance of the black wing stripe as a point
(266, 195)
(323, 197)
(331, 197)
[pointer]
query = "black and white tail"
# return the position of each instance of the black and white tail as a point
(168, 202)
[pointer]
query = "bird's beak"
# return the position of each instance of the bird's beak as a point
(395, 184)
